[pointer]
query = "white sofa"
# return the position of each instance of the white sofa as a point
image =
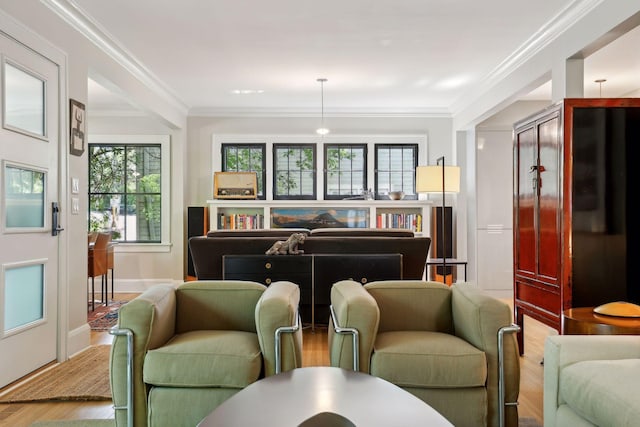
(592, 380)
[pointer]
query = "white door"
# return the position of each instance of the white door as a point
(28, 187)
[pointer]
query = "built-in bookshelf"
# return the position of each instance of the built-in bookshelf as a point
(258, 214)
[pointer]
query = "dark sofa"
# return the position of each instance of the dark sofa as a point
(207, 251)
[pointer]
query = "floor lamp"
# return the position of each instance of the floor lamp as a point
(439, 179)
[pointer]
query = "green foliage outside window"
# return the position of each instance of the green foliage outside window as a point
(125, 191)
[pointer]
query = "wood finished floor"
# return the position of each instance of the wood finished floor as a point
(314, 354)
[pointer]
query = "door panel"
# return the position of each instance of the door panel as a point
(549, 200)
(525, 211)
(29, 152)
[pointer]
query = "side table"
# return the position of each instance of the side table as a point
(583, 321)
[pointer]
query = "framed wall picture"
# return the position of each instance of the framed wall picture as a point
(77, 124)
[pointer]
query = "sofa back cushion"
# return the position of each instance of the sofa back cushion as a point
(217, 305)
(412, 305)
(361, 232)
(260, 232)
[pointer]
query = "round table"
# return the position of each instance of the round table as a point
(290, 398)
(583, 321)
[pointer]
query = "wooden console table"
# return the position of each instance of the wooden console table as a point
(583, 321)
(315, 274)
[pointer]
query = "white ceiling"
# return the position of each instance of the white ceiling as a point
(379, 56)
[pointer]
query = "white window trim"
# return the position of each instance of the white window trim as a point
(165, 187)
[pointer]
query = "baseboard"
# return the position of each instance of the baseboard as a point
(78, 339)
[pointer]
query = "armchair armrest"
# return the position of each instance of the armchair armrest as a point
(561, 351)
(149, 321)
(356, 309)
(478, 319)
(277, 313)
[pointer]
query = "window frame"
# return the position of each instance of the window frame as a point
(314, 148)
(364, 183)
(416, 153)
(165, 186)
(263, 175)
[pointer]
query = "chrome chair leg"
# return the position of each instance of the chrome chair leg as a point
(355, 337)
(282, 330)
(501, 376)
(129, 406)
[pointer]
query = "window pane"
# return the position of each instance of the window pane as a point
(24, 296)
(24, 100)
(395, 169)
(294, 173)
(24, 197)
(345, 166)
(141, 218)
(245, 158)
(106, 169)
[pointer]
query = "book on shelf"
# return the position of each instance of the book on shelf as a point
(411, 221)
(240, 221)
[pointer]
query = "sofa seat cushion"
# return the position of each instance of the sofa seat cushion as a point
(605, 392)
(428, 360)
(205, 359)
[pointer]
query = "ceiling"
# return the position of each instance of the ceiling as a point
(379, 56)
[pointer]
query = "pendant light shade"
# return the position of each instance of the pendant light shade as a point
(322, 130)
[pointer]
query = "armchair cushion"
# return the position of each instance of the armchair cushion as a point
(205, 359)
(605, 392)
(428, 359)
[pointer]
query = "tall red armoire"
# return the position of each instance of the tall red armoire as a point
(576, 165)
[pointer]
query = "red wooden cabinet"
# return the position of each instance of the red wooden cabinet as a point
(574, 234)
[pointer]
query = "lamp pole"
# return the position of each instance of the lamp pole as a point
(443, 223)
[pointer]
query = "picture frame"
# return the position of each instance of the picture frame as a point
(77, 126)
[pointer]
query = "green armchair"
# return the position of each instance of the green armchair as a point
(179, 352)
(591, 380)
(453, 347)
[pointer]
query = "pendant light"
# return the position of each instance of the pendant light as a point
(322, 130)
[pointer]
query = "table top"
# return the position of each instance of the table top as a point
(583, 320)
(290, 398)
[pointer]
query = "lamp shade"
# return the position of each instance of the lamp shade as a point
(429, 179)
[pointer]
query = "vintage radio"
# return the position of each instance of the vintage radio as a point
(235, 185)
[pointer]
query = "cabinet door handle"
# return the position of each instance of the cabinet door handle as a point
(267, 265)
(267, 281)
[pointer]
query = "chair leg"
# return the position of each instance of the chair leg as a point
(105, 290)
(93, 293)
(501, 374)
(112, 283)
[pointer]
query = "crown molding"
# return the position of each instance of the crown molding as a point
(73, 15)
(549, 32)
(313, 113)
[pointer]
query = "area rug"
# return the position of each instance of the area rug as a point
(75, 423)
(84, 376)
(528, 422)
(103, 317)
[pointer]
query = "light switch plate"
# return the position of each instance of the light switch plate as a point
(75, 185)
(75, 206)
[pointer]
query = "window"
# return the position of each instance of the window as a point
(294, 173)
(345, 170)
(246, 158)
(395, 169)
(129, 187)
